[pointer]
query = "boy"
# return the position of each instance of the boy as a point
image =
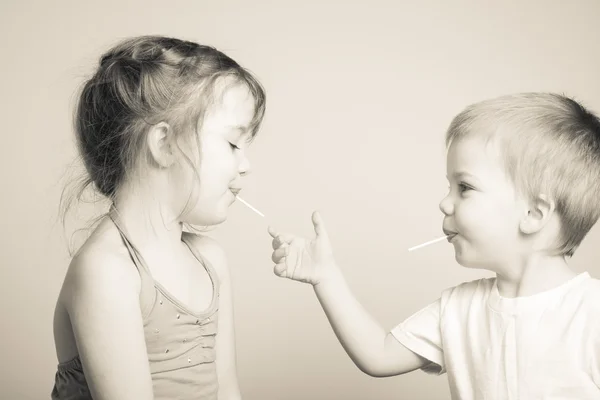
(524, 173)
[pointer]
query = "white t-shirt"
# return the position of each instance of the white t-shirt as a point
(545, 346)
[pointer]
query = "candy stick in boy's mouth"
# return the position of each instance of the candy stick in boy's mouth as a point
(428, 243)
(249, 206)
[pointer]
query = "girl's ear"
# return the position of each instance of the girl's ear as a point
(159, 143)
(538, 215)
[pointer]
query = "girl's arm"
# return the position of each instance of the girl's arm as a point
(374, 351)
(225, 339)
(101, 296)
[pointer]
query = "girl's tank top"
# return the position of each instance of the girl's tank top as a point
(180, 343)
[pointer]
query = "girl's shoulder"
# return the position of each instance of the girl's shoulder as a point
(101, 260)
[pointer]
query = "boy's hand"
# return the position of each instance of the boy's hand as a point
(300, 259)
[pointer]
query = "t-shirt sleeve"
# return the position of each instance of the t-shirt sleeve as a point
(595, 357)
(421, 334)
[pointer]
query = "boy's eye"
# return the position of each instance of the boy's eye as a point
(463, 187)
(233, 146)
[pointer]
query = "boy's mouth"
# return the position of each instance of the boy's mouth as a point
(235, 191)
(449, 234)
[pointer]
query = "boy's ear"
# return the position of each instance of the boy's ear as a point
(159, 143)
(539, 213)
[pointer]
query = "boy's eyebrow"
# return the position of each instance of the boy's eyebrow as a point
(462, 174)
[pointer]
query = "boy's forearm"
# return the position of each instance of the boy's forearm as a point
(360, 335)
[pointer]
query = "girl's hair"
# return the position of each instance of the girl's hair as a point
(551, 145)
(140, 82)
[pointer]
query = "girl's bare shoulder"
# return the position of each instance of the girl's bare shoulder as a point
(102, 260)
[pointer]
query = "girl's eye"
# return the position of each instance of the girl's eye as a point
(233, 146)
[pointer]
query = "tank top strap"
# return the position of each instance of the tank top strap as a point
(148, 290)
(212, 273)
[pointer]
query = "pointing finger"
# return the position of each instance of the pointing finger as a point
(272, 232)
(282, 239)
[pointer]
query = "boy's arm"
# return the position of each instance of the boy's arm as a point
(373, 350)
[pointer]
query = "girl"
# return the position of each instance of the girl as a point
(145, 310)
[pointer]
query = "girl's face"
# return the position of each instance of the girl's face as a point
(482, 209)
(224, 137)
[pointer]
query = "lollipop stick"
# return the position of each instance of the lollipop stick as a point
(428, 243)
(249, 206)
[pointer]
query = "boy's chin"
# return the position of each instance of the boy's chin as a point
(472, 262)
(465, 261)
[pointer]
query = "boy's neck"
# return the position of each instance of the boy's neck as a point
(535, 274)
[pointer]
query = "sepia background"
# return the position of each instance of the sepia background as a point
(359, 96)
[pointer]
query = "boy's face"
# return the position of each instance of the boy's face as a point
(482, 209)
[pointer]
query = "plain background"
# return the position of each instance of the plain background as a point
(359, 97)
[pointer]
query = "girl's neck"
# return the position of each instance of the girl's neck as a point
(534, 274)
(149, 224)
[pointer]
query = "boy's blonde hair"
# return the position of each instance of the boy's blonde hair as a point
(551, 145)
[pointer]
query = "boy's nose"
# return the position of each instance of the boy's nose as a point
(446, 205)
(244, 167)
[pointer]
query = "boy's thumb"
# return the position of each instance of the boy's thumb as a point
(319, 224)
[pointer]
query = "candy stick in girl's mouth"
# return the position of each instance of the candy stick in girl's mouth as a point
(249, 206)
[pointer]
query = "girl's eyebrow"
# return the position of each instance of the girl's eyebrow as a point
(240, 128)
(241, 131)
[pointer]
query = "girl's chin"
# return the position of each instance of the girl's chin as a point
(204, 219)
(208, 213)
